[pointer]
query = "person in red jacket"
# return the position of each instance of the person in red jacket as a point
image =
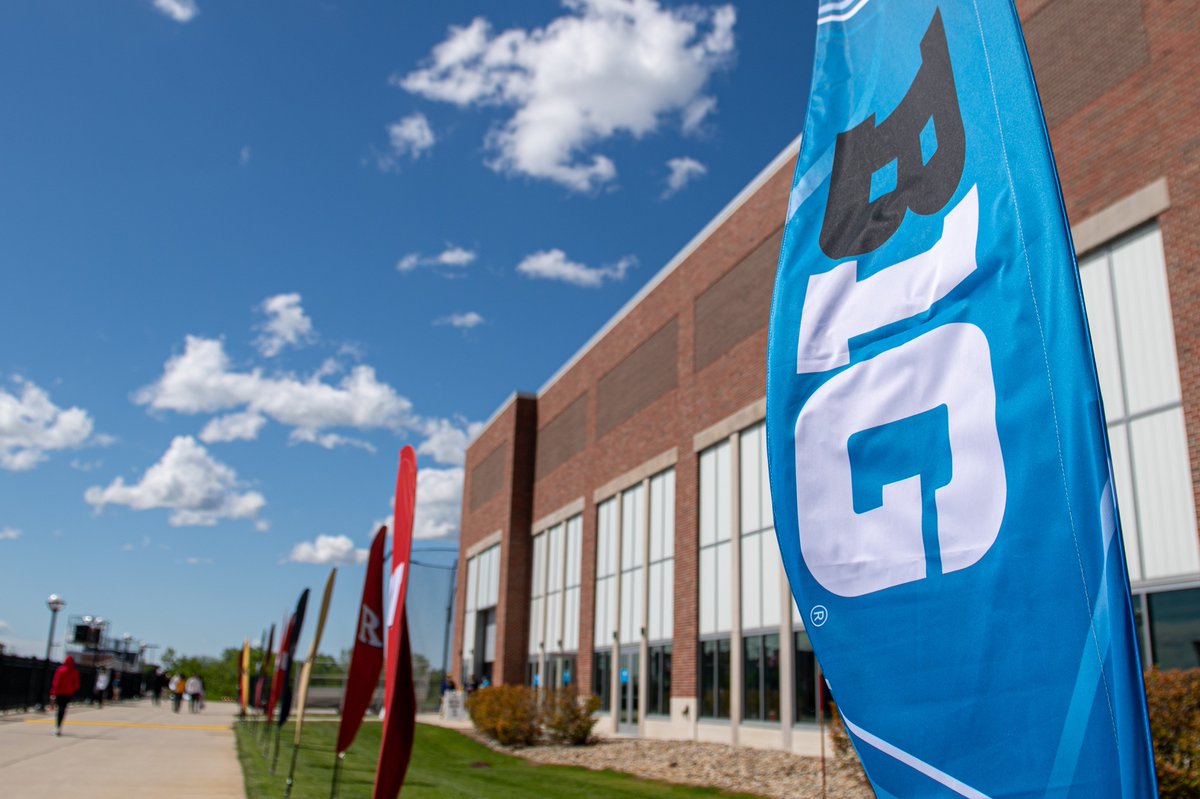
(63, 689)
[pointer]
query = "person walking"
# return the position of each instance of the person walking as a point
(63, 689)
(178, 687)
(156, 685)
(101, 687)
(194, 691)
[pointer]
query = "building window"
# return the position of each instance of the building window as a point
(1175, 629)
(661, 624)
(807, 674)
(633, 537)
(606, 569)
(554, 591)
(602, 678)
(1133, 336)
(659, 687)
(714, 678)
(760, 677)
(715, 523)
(479, 623)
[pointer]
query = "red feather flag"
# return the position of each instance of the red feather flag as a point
(277, 680)
(367, 658)
(400, 719)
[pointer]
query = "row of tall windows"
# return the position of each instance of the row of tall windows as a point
(479, 624)
(554, 604)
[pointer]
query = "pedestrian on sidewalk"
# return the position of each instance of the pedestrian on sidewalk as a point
(177, 689)
(156, 685)
(101, 687)
(63, 689)
(195, 689)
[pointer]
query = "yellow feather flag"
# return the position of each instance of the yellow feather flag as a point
(306, 672)
(245, 675)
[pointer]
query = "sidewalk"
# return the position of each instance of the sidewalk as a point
(132, 749)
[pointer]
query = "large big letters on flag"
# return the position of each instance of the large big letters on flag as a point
(938, 454)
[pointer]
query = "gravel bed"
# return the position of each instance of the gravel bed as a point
(764, 772)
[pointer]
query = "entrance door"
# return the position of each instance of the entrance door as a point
(627, 696)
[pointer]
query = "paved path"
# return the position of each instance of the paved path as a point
(126, 750)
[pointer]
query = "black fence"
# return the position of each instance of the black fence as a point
(25, 683)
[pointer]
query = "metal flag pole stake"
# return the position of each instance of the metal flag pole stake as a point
(821, 717)
(337, 775)
(287, 791)
(275, 757)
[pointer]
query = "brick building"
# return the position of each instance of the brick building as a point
(616, 526)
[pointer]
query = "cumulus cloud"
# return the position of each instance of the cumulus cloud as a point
(328, 440)
(682, 172)
(195, 561)
(243, 426)
(32, 426)
(446, 441)
(201, 380)
(554, 265)
(603, 68)
(198, 489)
(10, 534)
(178, 10)
(410, 137)
(328, 549)
(451, 256)
(439, 503)
(465, 321)
(286, 326)
(244, 156)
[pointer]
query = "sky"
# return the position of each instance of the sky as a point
(249, 250)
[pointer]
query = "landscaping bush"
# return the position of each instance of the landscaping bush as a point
(506, 713)
(568, 719)
(1173, 698)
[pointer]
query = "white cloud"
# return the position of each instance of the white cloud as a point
(201, 380)
(328, 549)
(10, 534)
(244, 156)
(194, 561)
(683, 171)
(242, 426)
(554, 265)
(286, 325)
(31, 426)
(446, 442)
(439, 503)
(410, 137)
(328, 440)
(196, 488)
(178, 10)
(451, 256)
(126, 547)
(465, 321)
(603, 68)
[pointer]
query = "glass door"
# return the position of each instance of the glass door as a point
(627, 704)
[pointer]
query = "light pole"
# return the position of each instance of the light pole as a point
(55, 603)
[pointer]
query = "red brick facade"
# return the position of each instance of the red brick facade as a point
(1116, 130)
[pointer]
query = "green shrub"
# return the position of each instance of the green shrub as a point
(1173, 698)
(506, 713)
(568, 718)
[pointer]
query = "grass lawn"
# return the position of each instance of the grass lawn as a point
(445, 763)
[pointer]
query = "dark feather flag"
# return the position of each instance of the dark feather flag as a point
(277, 672)
(260, 701)
(293, 638)
(399, 721)
(367, 658)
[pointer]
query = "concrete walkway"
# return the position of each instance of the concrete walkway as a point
(130, 749)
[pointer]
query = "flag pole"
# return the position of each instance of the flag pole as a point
(306, 676)
(337, 775)
(821, 717)
(275, 757)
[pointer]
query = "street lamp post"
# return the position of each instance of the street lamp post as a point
(55, 603)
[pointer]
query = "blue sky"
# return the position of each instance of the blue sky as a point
(251, 249)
